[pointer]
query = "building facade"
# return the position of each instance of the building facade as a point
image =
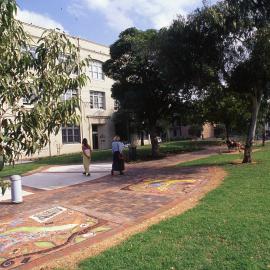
(179, 132)
(97, 105)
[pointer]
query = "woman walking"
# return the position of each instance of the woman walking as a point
(118, 158)
(86, 150)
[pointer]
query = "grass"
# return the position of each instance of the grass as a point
(143, 153)
(229, 229)
(174, 147)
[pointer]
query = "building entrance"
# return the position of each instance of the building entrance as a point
(95, 136)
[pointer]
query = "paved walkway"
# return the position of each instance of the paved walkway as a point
(59, 219)
(63, 176)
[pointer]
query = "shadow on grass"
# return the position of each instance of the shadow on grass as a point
(209, 164)
(212, 161)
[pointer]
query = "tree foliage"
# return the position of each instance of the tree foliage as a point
(139, 85)
(222, 106)
(250, 73)
(228, 46)
(217, 59)
(40, 77)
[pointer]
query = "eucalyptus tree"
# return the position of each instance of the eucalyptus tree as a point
(245, 58)
(249, 53)
(40, 78)
(227, 46)
(263, 121)
(139, 85)
(243, 62)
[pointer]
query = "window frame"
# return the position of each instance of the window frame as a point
(97, 65)
(69, 94)
(72, 128)
(97, 98)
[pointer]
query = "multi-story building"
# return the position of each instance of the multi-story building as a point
(97, 105)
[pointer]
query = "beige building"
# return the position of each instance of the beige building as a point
(178, 132)
(97, 105)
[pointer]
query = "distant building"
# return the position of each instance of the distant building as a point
(176, 131)
(97, 104)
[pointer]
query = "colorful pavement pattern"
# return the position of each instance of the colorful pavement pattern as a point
(165, 186)
(50, 225)
(25, 239)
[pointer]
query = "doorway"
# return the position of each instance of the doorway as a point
(95, 136)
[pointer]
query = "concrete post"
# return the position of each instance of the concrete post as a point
(2, 163)
(16, 189)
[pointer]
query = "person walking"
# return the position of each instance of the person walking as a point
(86, 150)
(118, 158)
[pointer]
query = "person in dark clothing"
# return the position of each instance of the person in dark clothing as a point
(118, 158)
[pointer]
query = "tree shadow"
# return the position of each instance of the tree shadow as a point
(6, 203)
(207, 164)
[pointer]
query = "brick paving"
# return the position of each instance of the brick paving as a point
(108, 200)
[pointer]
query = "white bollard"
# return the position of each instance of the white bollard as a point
(16, 188)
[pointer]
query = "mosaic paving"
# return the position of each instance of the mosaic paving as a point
(161, 186)
(25, 239)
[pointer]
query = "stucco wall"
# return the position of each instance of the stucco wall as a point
(208, 131)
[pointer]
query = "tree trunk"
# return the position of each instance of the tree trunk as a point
(263, 135)
(1, 154)
(227, 132)
(142, 138)
(50, 145)
(154, 143)
(168, 135)
(1, 161)
(256, 102)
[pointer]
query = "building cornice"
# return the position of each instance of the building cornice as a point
(71, 37)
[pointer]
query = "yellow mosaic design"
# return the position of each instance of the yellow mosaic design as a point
(165, 184)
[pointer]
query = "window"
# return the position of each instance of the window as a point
(69, 94)
(97, 100)
(62, 58)
(96, 71)
(32, 50)
(71, 134)
(26, 101)
(29, 100)
(70, 66)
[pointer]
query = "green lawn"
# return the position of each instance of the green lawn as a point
(229, 229)
(143, 153)
(174, 147)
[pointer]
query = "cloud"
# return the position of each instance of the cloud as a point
(120, 14)
(76, 9)
(38, 19)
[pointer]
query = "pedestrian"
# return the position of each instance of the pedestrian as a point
(118, 158)
(86, 150)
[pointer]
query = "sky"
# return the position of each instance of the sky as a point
(101, 21)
